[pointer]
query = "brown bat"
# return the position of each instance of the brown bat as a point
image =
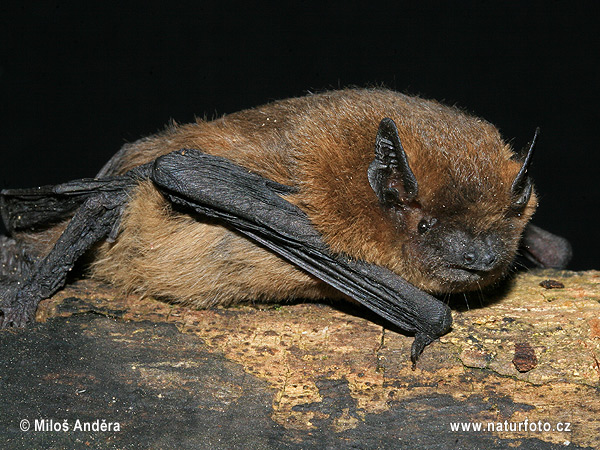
(366, 193)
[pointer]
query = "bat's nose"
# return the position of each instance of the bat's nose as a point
(479, 258)
(472, 253)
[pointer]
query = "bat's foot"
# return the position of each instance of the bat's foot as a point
(16, 309)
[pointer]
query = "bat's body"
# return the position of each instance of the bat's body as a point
(441, 201)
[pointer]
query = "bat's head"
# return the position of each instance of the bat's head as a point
(458, 204)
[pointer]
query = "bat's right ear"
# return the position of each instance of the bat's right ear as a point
(389, 174)
(522, 185)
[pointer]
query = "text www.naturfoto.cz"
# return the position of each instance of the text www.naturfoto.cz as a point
(507, 426)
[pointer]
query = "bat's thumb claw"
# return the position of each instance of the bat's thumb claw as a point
(421, 341)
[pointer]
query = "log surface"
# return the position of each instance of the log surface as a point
(304, 376)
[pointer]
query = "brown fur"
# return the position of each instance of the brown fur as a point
(321, 144)
(171, 255)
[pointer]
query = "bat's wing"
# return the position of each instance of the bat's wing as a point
(96, 207)
(216, 187)
(43, 206)
(545, 249)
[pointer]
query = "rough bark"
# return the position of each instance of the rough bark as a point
(307, 375)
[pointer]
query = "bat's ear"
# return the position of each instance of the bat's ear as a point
(522, 185)
(389, 174)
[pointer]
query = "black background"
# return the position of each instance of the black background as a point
(77, 81)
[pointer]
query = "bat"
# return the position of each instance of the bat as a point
(362, 194)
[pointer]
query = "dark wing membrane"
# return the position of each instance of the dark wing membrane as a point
(545, 249)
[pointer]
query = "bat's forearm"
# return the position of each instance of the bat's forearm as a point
(215, 187)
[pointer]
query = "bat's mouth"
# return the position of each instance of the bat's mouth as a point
(464, 279)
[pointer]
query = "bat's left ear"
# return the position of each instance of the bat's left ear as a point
(389, 174)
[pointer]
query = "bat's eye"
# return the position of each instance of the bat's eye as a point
(425, 225)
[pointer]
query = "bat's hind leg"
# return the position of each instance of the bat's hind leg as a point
(96, 218)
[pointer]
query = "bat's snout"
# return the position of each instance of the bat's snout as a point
(479, 254)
